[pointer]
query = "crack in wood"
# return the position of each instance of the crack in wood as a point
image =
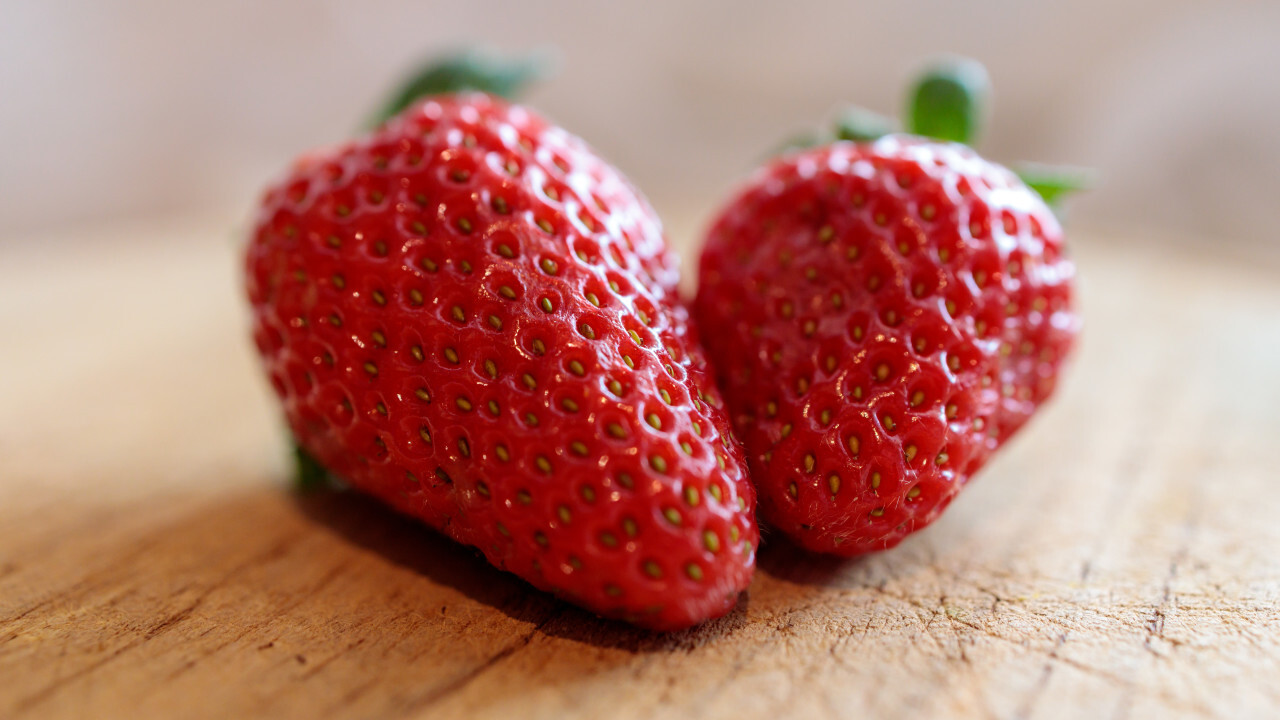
(1042, 682)
(455, 686)
(247, 630)
(166, 624)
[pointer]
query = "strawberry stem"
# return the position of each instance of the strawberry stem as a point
(948, 101)
(466, 70)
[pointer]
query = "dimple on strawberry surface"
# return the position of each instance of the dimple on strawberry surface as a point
(471, 316)
(884, 316)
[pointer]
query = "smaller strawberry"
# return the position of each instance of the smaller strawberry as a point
(469, 315)
(885, 314)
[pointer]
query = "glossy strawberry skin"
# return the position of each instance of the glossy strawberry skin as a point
(884, 316)
(472, 317)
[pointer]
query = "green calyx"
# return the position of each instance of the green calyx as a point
(466, 70)
(854, 124)
(862, 125)
(1053, 182)
(948, 101)
(308, 474)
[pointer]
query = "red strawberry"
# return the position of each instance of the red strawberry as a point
(885, 315)
(471, 316)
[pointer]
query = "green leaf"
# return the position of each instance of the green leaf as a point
(466, 70)
(854, 123)
(1054, 182)
(801, 141)
(948, 101)
(861, 125)
(309, 474)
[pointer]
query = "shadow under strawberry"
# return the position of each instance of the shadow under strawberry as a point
(783, 560)
(365, 522)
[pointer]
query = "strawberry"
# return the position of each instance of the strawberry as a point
(469, 315)
(885, 315)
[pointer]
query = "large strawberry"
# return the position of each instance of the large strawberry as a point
(471, 316)
(885, 314)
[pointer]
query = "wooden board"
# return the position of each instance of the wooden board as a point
(1120, 559)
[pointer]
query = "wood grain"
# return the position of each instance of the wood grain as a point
(1121, 559)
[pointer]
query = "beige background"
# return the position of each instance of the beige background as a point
(119, 109)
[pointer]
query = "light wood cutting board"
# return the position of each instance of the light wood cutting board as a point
(1120, 559)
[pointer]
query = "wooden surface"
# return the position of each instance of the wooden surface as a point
(1120, 559)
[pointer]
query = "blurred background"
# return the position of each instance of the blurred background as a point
(152, 108)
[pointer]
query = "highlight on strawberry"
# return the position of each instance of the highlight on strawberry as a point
(885, 310)
(468, 314)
